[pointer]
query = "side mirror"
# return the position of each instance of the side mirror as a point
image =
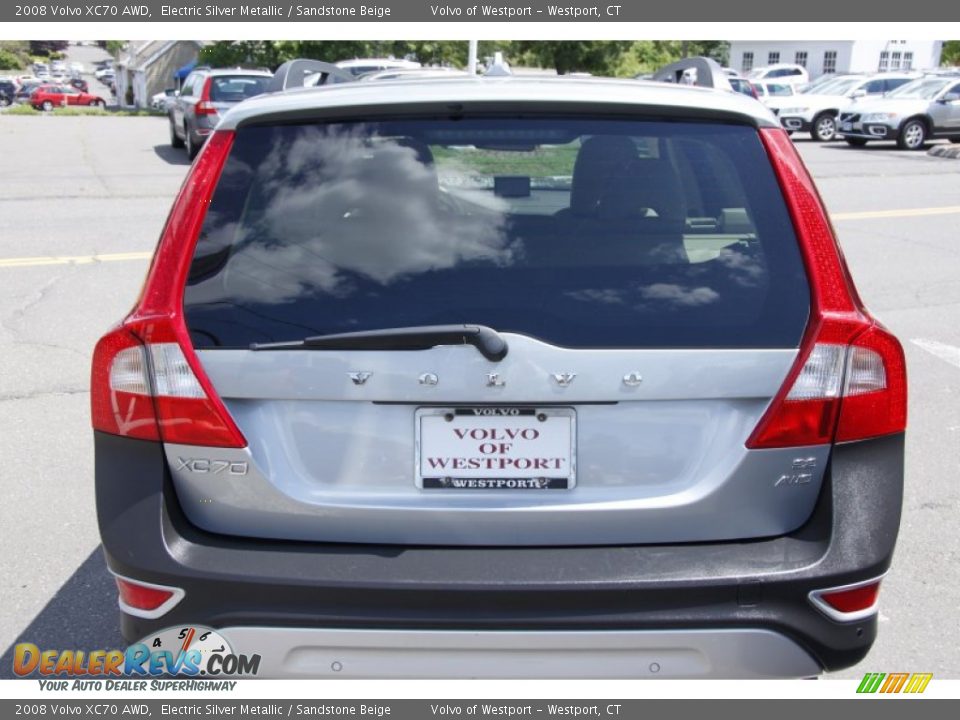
(950, 97)
(858, 94)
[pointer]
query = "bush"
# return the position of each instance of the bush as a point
(10, 60)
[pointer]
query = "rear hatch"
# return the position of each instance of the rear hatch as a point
(643, 276)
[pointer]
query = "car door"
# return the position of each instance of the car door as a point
(182, 99)
(71, 96)
(945, 110)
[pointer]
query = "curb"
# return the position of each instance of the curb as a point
(945, 151)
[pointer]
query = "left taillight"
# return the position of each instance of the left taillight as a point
(146, 379)
(204, 106)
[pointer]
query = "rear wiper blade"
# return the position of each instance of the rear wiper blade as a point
(485, 339)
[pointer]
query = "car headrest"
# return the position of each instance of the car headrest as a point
(600, 158)
(648, 185)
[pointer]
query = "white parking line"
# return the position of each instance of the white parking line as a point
(948, 353)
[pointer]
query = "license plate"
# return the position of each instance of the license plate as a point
(495, 448)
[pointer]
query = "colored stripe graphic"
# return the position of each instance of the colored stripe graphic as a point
(918, 682)
(894, 683)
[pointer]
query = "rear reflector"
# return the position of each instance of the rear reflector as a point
(146, 380)
(849, 602)
(849, 379)
(146, 599)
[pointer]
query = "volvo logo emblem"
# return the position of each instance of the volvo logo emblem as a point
(359, 378)
(428, 379)
(494, 380)
(632, 379)
(563, 379)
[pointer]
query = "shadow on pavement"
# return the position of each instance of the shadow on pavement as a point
(172, 155)
(82, 615)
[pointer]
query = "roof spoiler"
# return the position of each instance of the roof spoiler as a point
(700, 71)
(293, 72)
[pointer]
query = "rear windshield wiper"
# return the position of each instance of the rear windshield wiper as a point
(485, 339)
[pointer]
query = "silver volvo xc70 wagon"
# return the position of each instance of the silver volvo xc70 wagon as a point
(500, 377)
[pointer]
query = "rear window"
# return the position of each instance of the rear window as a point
(579, 232)
(234, 88)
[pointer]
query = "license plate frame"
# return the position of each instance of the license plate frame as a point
(561, 423)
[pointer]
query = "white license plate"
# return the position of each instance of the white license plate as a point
(495, 448)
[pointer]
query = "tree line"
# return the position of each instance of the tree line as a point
(599, 57)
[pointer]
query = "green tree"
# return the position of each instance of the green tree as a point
(951, 53)
(599, 57)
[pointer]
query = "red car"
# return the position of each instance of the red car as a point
(47, 97)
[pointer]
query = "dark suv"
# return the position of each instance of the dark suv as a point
(205, 96)
(499, 378)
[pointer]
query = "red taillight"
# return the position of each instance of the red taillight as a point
(146, 599)
(147, 381)
(203, 105)
(849, 602)
(849, 380)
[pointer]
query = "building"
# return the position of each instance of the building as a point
(820, 57)
(147, 68)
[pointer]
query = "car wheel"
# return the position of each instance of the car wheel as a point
(912, 135)
(175, 140)
(824, 127)
(4, 101)
(99, 104)
(47, 105)
(856, 142)
(192, 148)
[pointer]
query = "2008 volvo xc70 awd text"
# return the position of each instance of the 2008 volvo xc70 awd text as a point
(500, 377)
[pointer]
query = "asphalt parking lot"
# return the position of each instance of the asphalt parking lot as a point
(82, 202)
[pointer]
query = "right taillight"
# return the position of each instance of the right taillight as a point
(146, 379)
(849, 380)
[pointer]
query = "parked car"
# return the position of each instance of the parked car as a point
(103, 73)
(205, 95)
(743, 86)
(817, 111)
(925, 108)
(161, 100)
(782, 72)
(768, 90)
(47, 97)
(79, 84)
(8, 91)
(422, 385)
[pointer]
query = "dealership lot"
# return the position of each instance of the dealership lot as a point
(83, 201)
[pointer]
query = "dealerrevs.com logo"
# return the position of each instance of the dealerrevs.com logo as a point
(185, 651)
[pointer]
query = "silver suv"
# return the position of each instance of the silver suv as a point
(497, 378)
(928, 107)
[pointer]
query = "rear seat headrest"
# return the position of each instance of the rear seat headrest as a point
(599, 158)
(648, 184)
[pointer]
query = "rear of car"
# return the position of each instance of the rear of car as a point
(206, 95)
(495, 379)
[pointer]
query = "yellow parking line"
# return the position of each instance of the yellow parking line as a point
(73, 259)
(909, 212)
(123, 257)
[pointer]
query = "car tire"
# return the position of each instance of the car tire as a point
(175, 140)
(5, 101)
(98, 104)
(913, 135)
(856, 142)
(824, 127)
(192, 148)
(46, 106)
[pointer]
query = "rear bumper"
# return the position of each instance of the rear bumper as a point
(731, 653)
(631, 594)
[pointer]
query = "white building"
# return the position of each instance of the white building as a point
(837, 56)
